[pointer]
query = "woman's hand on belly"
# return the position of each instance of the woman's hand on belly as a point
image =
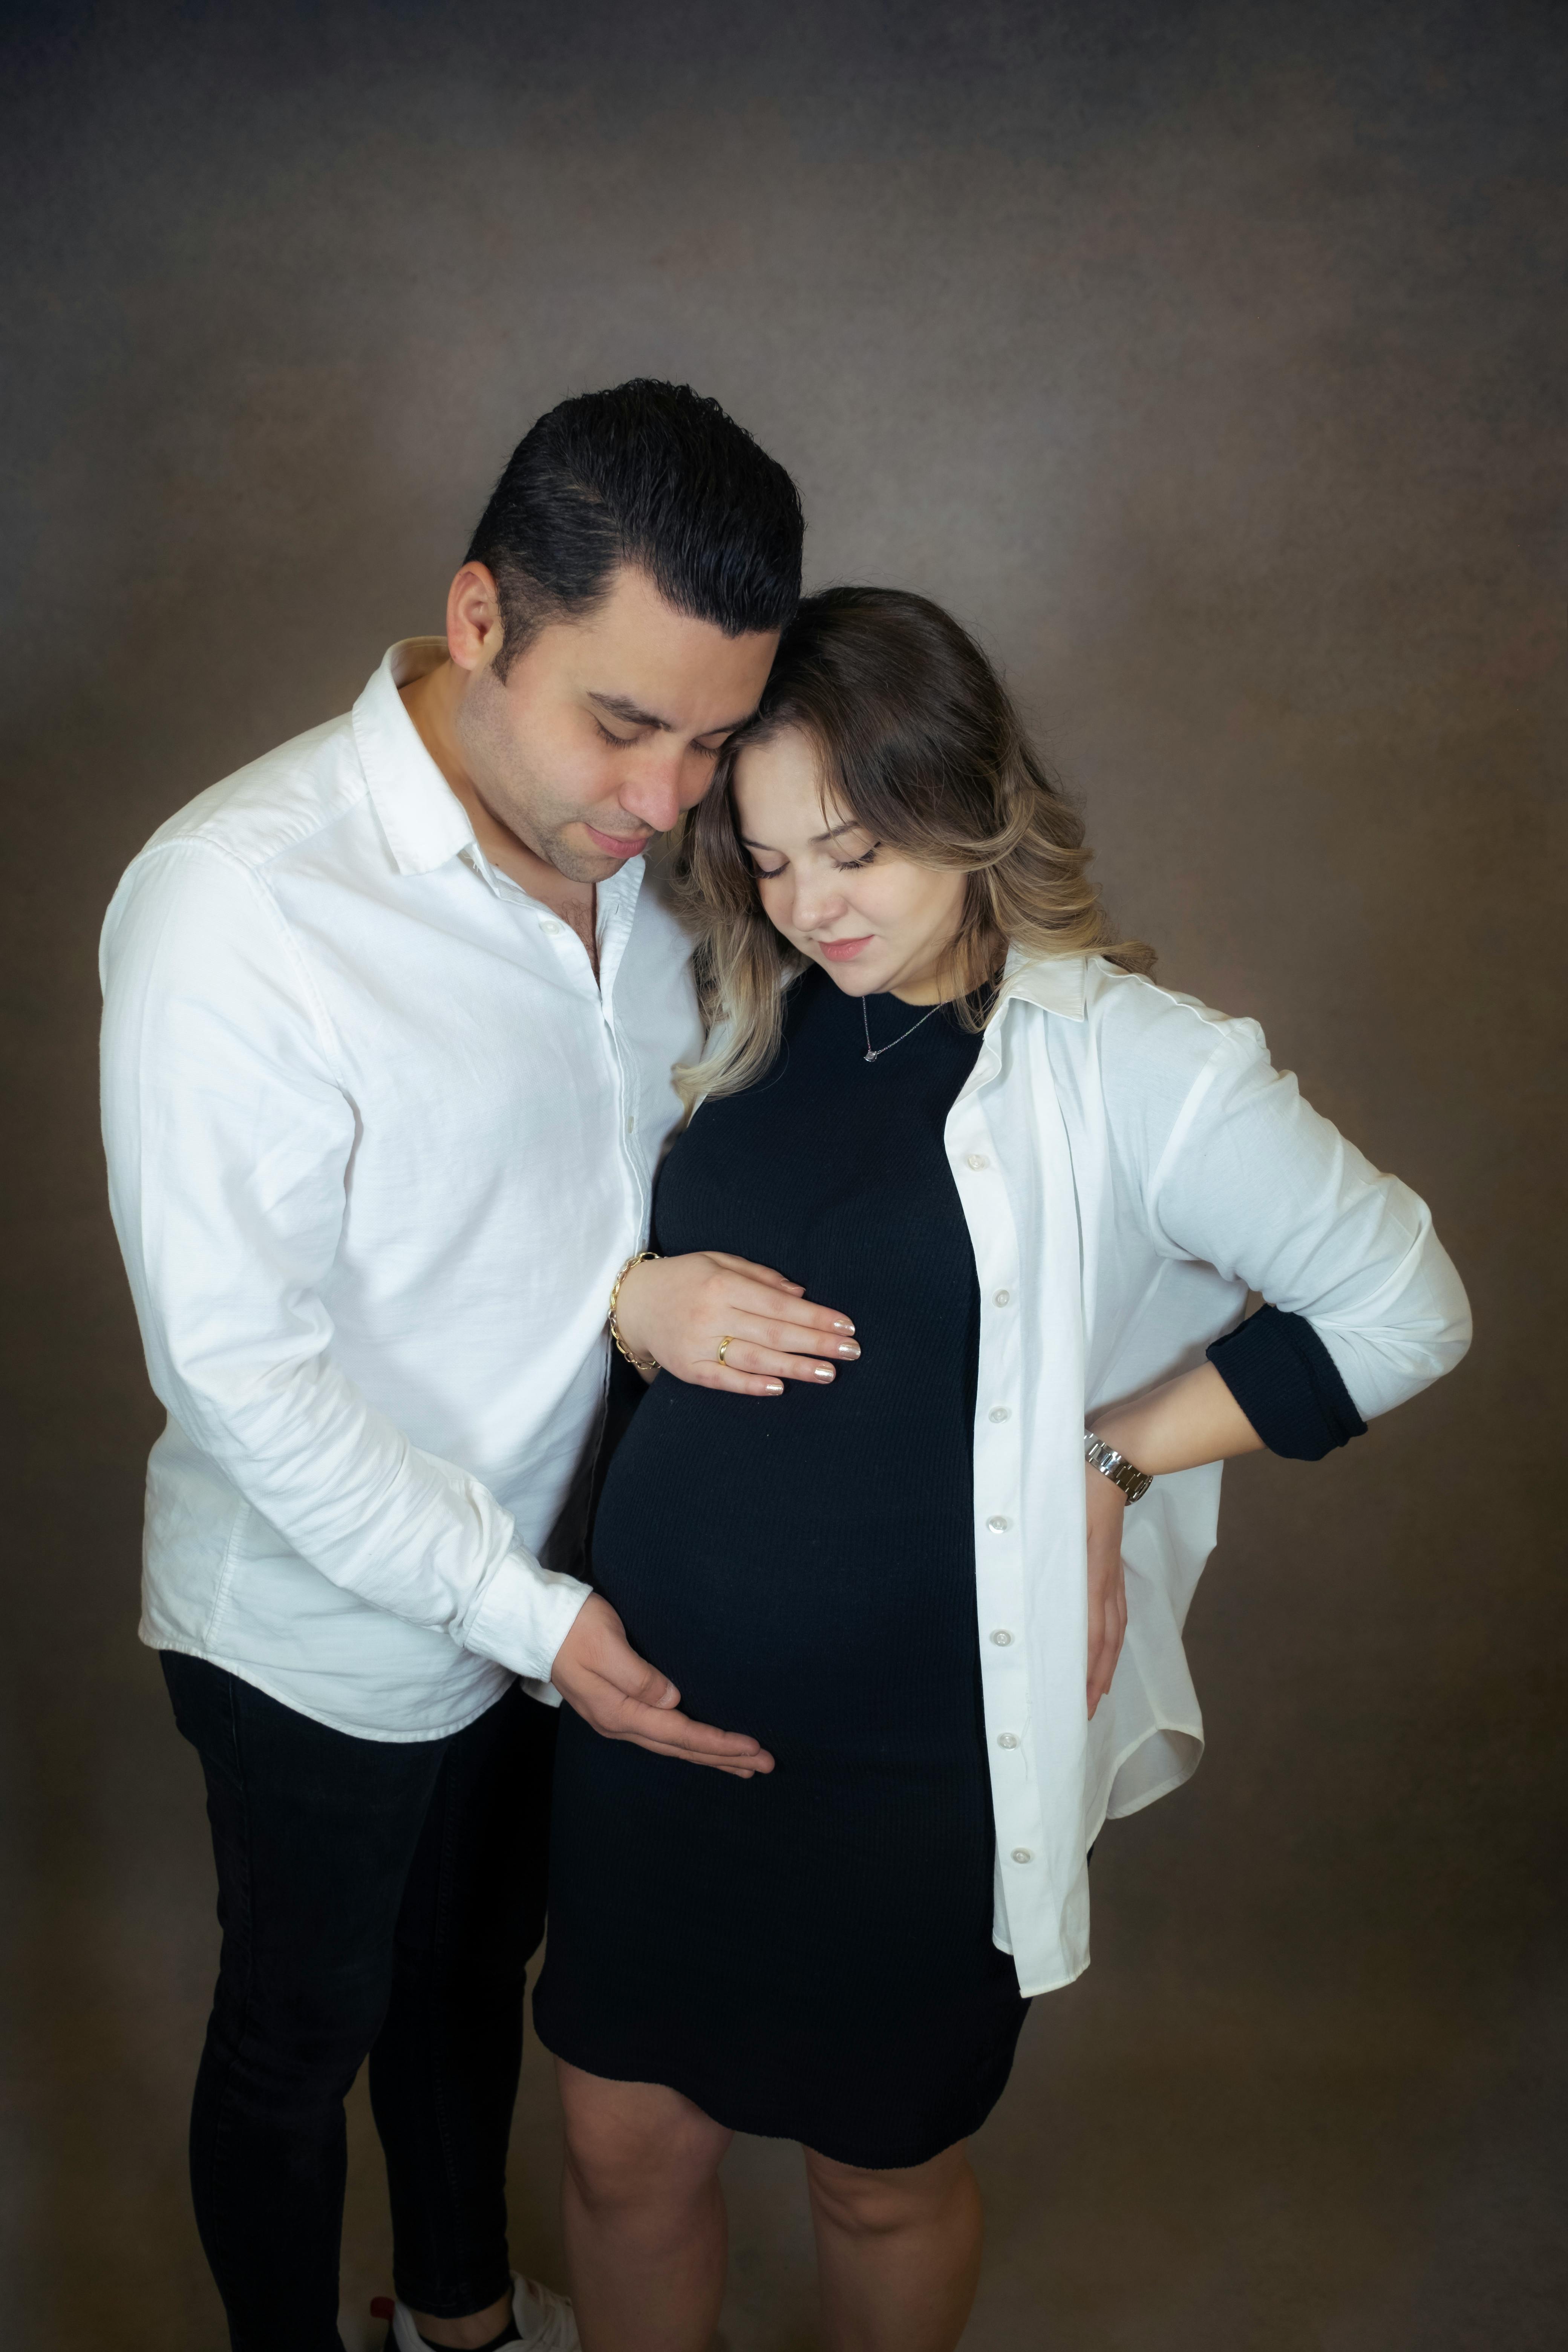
(682, 1310)
(598, 1672)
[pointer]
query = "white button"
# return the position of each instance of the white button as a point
(631, 1123)
(1002, 1637)
(1003, 1296)
(998, 1526)
(1022, 1854)
(978, 1160)
(1006, 1739)
(1000, 1412)
(550, 930)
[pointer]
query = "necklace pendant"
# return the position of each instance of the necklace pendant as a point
(870, 1058)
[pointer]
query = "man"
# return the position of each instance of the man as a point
(389, 1023)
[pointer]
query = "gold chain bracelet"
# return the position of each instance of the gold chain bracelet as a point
(643, 1363)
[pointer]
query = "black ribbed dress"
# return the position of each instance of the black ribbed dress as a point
(806, 1954)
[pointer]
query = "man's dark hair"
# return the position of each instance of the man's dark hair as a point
(647, 474)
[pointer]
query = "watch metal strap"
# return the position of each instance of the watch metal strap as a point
(1115, 1466)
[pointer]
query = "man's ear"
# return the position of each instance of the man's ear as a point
(475, 631)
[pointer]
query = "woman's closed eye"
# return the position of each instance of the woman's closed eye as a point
(839, 864)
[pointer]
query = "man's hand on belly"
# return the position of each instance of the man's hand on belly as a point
(682, 1310)
(598, 1671)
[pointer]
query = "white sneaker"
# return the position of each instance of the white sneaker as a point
(543, 2318)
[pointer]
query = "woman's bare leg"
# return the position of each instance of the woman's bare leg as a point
(643, 2215)
(898, 2253)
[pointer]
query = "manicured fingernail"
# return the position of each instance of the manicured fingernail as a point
(848, 1348)
(823, 1371)
(773, 1387)
(844, 1326)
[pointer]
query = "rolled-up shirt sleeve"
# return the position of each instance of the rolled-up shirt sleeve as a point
(1288, 1384)
(1258, 1184)
(230, 1135)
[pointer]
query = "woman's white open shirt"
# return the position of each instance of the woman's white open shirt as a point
(1131, 1164)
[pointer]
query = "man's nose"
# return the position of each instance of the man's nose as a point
(654, 794)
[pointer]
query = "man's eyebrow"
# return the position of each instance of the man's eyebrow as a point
(621, 706)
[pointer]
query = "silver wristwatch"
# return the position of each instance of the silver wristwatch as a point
(1115, 1466)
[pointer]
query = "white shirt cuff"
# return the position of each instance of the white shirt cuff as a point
(525, 1614)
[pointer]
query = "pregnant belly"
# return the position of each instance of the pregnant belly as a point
(783, 1597)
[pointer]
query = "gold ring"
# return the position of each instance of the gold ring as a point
(723, 1350)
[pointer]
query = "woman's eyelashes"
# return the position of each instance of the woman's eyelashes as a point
(839, 864)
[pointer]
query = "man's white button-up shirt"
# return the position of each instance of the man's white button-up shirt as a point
(377, 1143)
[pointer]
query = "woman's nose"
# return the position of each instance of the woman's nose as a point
(817, 905)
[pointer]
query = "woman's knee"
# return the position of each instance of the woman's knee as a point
(867, 2204)
(635, 2143)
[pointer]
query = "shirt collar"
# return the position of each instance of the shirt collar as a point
(1054, 983)
(423, 819)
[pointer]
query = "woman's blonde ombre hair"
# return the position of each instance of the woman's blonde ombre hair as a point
(918, 740)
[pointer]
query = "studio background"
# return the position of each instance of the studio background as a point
(1207, 362)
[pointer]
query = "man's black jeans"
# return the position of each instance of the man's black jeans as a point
(374, 1899)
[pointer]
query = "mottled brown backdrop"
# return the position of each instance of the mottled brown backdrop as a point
(1207, 359)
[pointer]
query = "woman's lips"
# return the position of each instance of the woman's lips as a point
(844, 951)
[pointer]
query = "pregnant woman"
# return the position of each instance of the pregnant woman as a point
(938, 1093)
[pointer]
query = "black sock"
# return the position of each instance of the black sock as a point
(511, 2334)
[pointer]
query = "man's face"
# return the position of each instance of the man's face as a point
(604, 729)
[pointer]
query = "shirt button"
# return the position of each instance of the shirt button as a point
(1022, 1854)
(998, 1526)
(1000, 1412)
(550, 930)
(1002, 1638)
(1006, 1739)
(978, 1160)
(631, 1124)
(1003, 1296)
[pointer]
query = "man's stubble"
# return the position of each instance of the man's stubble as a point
(512, 789)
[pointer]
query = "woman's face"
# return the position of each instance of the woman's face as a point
(873, 919)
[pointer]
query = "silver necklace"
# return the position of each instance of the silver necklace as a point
(874, 1054)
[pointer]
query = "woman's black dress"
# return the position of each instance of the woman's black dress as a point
(806, 1954)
